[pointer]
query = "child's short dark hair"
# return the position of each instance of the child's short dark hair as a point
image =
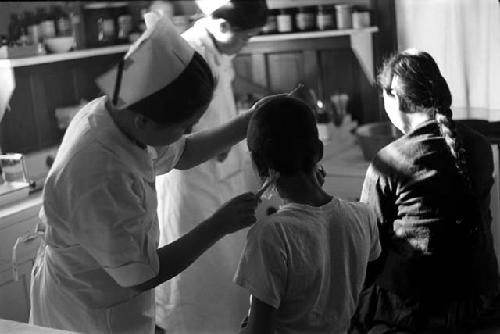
(282, 135)
(182, 98)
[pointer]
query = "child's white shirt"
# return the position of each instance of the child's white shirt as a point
(310, 264)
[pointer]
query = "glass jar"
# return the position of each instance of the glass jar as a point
(271, 25)
(124, 26)
(47, 26)
(324, 18)
(304, 19)
(284, 19)
(344, 16)
(15, 30)
(105, 29)
(64, 24)
(360, 19)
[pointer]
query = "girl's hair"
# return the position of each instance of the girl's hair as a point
(182, 98)
(421, 88)
(282, 135)
(243, 14)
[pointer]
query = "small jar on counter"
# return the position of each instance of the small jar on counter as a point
(271, 25)
(324, 18)
(305, 19)
(285, 22)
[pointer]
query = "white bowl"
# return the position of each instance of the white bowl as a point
(59, 44)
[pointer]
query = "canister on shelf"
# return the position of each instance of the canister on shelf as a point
(324, 18)
(360, 19)
(124, 26)
(285, 23)
(271, 25)
(344, 16)
(304, 19)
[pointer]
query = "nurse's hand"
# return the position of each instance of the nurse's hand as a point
(237, 213)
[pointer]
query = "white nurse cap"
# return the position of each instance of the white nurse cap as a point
(156, 59)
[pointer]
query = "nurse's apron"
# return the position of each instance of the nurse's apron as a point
(50, 293)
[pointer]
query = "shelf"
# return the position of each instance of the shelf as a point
(312, 34)
(51, 58)
(299, 3)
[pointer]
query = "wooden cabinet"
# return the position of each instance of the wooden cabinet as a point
(40, 89)
(328, 62)
(15, 221)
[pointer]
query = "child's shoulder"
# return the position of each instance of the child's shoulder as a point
(358, 211)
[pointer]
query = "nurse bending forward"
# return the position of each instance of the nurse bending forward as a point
(100, 259)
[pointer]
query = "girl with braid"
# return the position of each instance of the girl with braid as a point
(430, 190)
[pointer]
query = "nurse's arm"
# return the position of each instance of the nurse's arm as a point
(178, 255)
(261, 319)
(204, 145)
(175, 257)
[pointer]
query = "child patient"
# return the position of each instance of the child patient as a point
(304, 265)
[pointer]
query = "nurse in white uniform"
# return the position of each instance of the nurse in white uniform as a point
(203, 299)
(100, 260)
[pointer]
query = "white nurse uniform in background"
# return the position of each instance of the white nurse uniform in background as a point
(203, 298)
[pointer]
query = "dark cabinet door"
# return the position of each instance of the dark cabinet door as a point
(18, 127)
(40, 89)
(285, 70)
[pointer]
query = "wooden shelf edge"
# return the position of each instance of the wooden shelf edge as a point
(52, 58)
(312, 34)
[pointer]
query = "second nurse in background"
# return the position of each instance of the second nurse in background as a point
(203, 298)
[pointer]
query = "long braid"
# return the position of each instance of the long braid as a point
(448, 131)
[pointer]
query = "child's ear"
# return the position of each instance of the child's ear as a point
(140, 122)
(319, 150)
(262, 168)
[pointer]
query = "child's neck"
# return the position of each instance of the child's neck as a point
(302, 189)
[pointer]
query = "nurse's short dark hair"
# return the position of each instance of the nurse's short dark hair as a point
(282, 135)
(182, 98)
(243, 14)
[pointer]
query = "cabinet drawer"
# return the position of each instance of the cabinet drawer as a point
(345, 187)
(8, 236)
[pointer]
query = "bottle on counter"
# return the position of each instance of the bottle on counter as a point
(31, 27)
(54, 14)
(4, 40)
(305, 19)
(77, 28)
(324, 18)
(271, 26)
(23, 23)
(64, 27)
(124, 27)
(47, 25)
(285, 21)
(15, 29)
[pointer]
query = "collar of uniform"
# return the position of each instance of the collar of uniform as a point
(111, 137)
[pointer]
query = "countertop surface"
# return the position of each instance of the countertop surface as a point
(14, 327)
